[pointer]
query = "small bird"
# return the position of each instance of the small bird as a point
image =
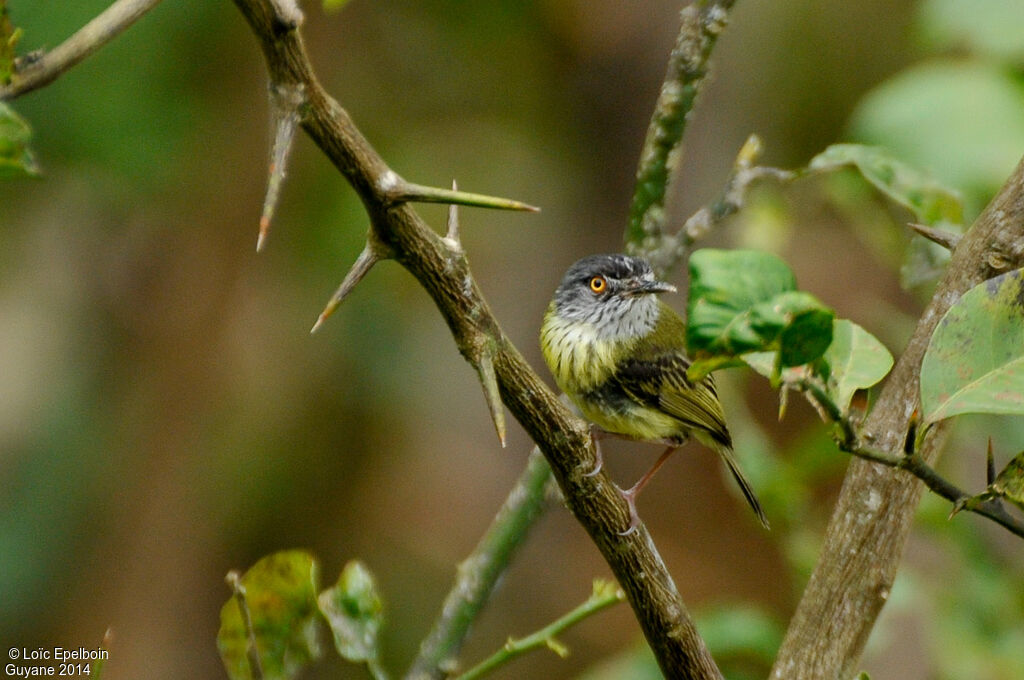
(618, 352)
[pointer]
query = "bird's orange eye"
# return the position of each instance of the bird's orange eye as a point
(598, 284)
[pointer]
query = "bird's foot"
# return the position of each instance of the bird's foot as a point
(595, 437)
(629, 495)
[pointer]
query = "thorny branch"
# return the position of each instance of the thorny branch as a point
(444, 272)
(850, 440)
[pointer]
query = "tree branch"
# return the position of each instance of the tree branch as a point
(43, 70)
(444, 273)
(868, 530)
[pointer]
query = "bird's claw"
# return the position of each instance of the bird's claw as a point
(629, 495)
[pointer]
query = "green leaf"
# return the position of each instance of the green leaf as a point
(16, 159)
(985, 27)
(334, 5)
(856, 360)
(355, 612)
(975, 359)
(9, 37)
(744, 301)
(920, 193)
(280, 594)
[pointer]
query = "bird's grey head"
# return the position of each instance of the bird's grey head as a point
(612, 292)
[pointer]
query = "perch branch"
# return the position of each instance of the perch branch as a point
(479, 572)
(868, 530)
(34, 73)
(444, 273)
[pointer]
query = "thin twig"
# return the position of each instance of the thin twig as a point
(479, 572)
(666, 250)
(701, 23)
(105, 27)
(605, 595)
(238, 590)
(848, 440)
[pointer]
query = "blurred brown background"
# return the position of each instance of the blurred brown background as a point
(165, 416)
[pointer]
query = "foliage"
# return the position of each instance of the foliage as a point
(975, 360)
(744, 301)
(354, 610)
(277, 614)
(277, 610)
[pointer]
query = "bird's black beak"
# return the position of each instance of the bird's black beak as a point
(642, 287)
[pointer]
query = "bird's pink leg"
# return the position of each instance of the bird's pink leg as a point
(630, 494)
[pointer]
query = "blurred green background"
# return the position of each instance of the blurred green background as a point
(165, 416)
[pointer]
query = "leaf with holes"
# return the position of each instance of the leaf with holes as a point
(975, 359)
(354, 610)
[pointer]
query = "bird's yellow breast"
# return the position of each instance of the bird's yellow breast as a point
(578, 358)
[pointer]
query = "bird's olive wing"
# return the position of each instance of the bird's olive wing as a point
(660, 382)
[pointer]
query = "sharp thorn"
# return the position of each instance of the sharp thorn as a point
(362, 265)
(400, 191)
(453, 221)
(991, 465)
(261, 240)
(489, 379)
(946, 239)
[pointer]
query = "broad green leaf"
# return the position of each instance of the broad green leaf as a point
(16, 159)
(856, 360)
(986, 27)
(929, 116)
(280, 592)
(924, 196)
(975, 359)
(744, 301)
(355, 612)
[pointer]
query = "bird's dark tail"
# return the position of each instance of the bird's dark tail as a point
(748, 492)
